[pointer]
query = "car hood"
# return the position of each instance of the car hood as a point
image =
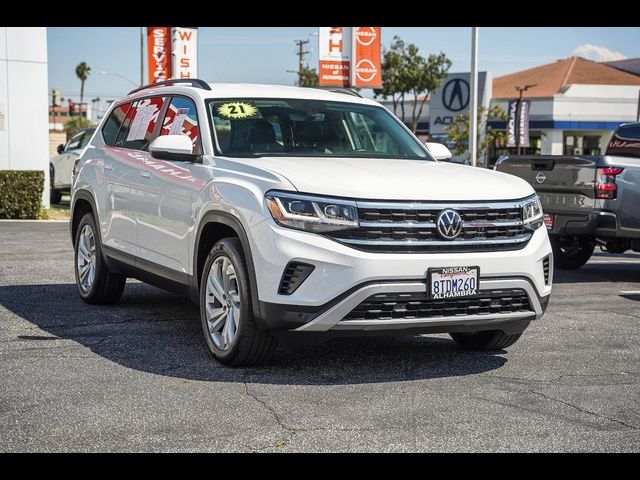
(395, 179)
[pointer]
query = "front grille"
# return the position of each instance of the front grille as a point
(415, 305)
(545, 268)
(411, 227)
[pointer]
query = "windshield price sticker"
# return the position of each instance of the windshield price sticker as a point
(238, 110)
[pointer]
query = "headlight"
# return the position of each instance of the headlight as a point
(314, 214)
(532, 213)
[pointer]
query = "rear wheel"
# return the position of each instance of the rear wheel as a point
(226, 309)
(96, 284)
(571, 252)
(485, 340)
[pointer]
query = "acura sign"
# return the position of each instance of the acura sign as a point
(452, 99)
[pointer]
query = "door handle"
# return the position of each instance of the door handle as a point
(108, 166)
(145, 173)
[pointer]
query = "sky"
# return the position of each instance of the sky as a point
(264, 54)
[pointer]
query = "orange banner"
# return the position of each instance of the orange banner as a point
(159, 53)
(367, 69)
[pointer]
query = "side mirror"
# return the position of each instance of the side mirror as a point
(438, 151)
(173, 147)
(60, 148)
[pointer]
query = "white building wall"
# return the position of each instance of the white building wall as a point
(24, 137)
(597, 103)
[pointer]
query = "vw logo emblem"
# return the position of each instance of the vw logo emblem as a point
(449, 223)
(541, 177)
(455, 94)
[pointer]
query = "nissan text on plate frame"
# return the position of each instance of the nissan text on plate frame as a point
(290, 213)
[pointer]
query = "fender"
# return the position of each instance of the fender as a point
(233, 222)
(88, 196)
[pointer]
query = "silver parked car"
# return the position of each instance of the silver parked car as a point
(61, 165)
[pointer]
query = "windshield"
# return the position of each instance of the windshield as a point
(295, 127)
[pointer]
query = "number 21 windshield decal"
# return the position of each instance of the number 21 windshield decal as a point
(238, 110)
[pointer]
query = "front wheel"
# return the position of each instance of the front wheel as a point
(226, 309)
(485, 340)
(571, 252)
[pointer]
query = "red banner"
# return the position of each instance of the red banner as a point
(367, 69)
(159, 53)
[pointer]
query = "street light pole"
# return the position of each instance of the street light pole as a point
(141, 56)
(521, 89)
(473, 103)
(119, 76)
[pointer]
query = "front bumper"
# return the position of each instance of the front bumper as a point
(344, 276)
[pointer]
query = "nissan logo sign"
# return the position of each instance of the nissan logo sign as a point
(541, 177)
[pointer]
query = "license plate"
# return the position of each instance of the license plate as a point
(452, 282)
(548, 220)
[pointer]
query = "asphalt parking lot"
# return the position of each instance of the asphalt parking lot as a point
(137, 376)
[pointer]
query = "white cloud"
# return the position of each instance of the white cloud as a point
(599, 54)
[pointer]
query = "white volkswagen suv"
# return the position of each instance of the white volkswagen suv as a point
(291, 213)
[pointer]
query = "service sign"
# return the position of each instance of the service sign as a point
(184, 52)
(334, 56)
(158, 53)
(367, 70)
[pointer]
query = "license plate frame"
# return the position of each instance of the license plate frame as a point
(439, 271)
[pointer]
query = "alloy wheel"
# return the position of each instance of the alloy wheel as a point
(222, 303)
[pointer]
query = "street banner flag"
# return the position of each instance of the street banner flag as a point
(334, 56)
(511, 123)
(523, 124)
(158, 53)
(366, 69)
(184, 52)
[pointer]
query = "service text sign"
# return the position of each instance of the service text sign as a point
(158, 53)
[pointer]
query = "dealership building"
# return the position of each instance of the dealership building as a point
(575, 104)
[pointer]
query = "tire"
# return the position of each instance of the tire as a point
(485, 340)
(105, 287)
(571, 252)
(226, 309)
(54, 195)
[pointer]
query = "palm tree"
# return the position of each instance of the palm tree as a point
(82, 72)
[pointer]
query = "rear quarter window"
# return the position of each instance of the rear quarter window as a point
(114, 123)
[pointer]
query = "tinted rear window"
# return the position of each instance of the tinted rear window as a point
(114, 123)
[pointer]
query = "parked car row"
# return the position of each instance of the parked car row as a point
(61, 165)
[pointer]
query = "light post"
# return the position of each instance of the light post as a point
(119, 76)
(521, 89)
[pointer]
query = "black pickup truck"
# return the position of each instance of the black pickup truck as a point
(587, 200)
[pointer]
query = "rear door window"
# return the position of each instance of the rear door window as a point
(140, 123)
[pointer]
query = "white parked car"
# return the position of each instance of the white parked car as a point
(289, 212)
(60, 165)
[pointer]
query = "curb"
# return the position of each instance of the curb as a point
(10, 220)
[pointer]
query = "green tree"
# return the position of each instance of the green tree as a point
(82, 72)
(458, 131)
(407, 73)
(308, 77)
(74, 124)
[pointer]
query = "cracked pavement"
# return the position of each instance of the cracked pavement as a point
(137, 376)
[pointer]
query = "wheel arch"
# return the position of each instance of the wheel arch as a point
(212, 227)
(82, 204)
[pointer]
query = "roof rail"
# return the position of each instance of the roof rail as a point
(343, 90)
(195, 82)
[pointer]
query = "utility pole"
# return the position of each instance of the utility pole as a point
(521, 89)
(301, 53)
(473, 106)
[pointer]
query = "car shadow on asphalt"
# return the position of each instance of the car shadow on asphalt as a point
(152, 331)
(599, 272)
